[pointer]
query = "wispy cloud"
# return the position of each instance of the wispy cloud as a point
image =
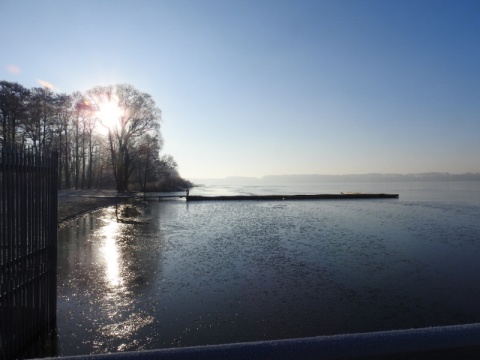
(46, 84)
(14, 69)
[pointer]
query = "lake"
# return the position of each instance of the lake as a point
(173, 273)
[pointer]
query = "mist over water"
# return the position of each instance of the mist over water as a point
(184, 274)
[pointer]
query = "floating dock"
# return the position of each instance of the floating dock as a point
(342, 196)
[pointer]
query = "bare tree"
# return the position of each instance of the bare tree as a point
(148, 159)
(96, 147)
(38, 122)
(13, 107)
(62, 114)
(66, 118)
(138, 115)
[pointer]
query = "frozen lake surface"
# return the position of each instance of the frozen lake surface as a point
(182, 274)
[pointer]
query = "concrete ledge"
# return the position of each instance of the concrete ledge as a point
(344, 196)
(322, 347)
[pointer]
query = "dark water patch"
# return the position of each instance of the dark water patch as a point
(208, 273)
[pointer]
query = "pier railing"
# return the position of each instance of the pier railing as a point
(28, 246)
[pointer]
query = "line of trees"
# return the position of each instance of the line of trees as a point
(106, 137)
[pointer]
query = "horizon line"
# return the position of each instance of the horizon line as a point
(431, 173)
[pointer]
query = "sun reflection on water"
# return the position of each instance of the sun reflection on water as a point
(121, 320)
(110, 251)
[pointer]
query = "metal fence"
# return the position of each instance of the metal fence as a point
(28, 247)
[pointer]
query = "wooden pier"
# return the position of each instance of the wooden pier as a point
(342, 196)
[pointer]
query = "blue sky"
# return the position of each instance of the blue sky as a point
(261, 87)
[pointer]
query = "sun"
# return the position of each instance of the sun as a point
(109, 114)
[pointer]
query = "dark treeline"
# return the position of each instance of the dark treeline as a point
(107, 137)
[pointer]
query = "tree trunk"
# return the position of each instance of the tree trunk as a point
(67, 167)
(90, 163)
(146, 172)
(117, 163)
(60, 160)
(77, 163)
(83, 160)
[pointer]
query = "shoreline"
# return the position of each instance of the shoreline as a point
(75, 203)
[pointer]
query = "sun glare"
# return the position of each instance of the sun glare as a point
(109, 114)
(112, 259)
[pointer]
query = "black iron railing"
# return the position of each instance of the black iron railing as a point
(28, 246)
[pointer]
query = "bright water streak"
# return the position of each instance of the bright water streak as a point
(221, 272)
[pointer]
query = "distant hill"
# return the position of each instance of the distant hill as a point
(375, 177)
(315, 178)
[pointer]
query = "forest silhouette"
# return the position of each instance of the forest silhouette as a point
(106, 137)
